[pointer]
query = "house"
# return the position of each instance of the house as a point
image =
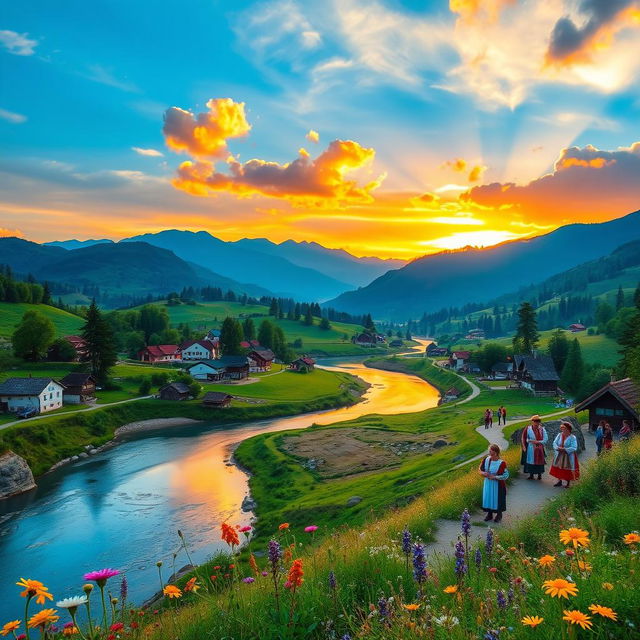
(260, 360)
(174, 391)
(618, 400)
(475, 334)
(80, 346)
(216, 399)
(434, 351)
(501, 370)
(160, 353)
(304, 364)
(39, 394)
(365, 340)
(577, 327)
(451, 394)
(458, 359)
(210, 370)
(213, 335)
(380, 339)
(250, 344)
(471, 367)
(199, 350)
(79, 388)
(536, 373)
(236, 367)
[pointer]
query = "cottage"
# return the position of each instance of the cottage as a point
(160, 353)
(260, 360)
(434, 351)
(304, 364)
(451, 394)
(577, 327)
(80, 346)
(199, 350)
(79, 388)
(174, 391)
(475, 334)
(236, 367)
(458, 359)
(536, 373)
(618, 400)
(213, 335)
(210, 370)
(216, 400)
(365, 340)
(37, 394)
(501, 370)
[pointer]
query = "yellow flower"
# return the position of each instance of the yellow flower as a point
(9, 627)
(34, 588)
(532, 621)
(452, 588)
(42, 618)
(632, 538)
(575, 536)
(411, 607)
(559, 588)
(191, 585)
(545, 561)
(584, 566)
(577, 617)
(607, 586)
(70, 631)
(172, 591)
(605, 612)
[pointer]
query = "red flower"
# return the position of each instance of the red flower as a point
(232, 566)
(493, 569)
(217, 567)
(134, 625)
(214, 577)
(116, 626)
(229, 535)
(294, 579)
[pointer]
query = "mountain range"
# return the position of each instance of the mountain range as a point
(457, 277)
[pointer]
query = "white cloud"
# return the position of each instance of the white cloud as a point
(583, 120)
(17, 43)
(101, 74)
(148, 152)
(10, 116)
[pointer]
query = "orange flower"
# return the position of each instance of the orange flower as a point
(253, 564)
(546, 561)
(10, 627)
(171, 591)
(71, 631)
(532, 621)
(283, 526)
(559, 588)
(229, 535)
(294, 578)
(191, 585)
(632, 538)
(411, 607)
(34, 588)
(584, 566)
(43, 618)
(288, 555)
(575, 536)
(579, 618)
(607, 586)
(452, 588)
(605, 612)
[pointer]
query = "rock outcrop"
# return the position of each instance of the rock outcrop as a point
(15, 475)
(553, 429)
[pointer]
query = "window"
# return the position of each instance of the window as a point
(601, 411)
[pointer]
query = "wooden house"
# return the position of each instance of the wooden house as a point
(80, 346)
(199, 350)
(618, 400)
(537, 374)
(79, 388)
(260, 360)
(434, 351)
(304, 364)
(174, 391)
(501, 370)
(37, 394)
(236, 367)
(459, 359)
(365, 340)
(451, 394)
(210, 370)
(165, 353)
(577, 327)
(216, 400)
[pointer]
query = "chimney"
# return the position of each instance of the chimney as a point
(613, 377)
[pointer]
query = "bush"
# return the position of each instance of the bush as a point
(145, 387)
(159, 379)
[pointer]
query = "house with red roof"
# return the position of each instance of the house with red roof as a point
(459, 359)
(160, 353)
(304, 364)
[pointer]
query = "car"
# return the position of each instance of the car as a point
(28, 412)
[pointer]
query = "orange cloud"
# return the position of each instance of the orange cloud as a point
(458, 164)
(470, 10)
(205, 135)
(313, 136)
(476, 173)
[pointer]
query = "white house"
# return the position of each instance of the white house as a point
(41, 394)
(198, 350)
(207, 370)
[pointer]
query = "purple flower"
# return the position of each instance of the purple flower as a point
(406, 541)
(332, 580)
(264, 573)
(510, 595)
(501, 600)
(346, 636)
(419, 563)
(275, 553)
(478, 558)
(101, 576)
(492, 634)
(488, 545)
(461, 567)
(465, 522)
(383, 609)
(124, 589)
(248, 580)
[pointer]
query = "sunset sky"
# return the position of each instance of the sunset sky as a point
(392, 127)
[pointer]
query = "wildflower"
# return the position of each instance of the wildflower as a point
(569, 553)
(510, 595)
(171, 591)
(275, 553)
(10, 627)
(607, 586)
(492, 634)
(34, 588)
(478, 558)
(116, 626)
(512, 549)
(346, 636)
(214, 577)
(264, 573)
(461, 567)
(406, 541)
(579, 618)
(411, 607)
(229, 535)
(631, 538)
(244, 529)
(217, 567)
(43, 618)
(446, 621)
(452, 588)
(248, 580)
(419, 563)
(493, 570)
(465, 522)
(253, 564)
(70, 630)
(101, 577)
(232, 566)
(584, 566)
(332, 580)
(559, 588)
(532, 621)
(546, 561)
(191, 585)
(310, 529)
(575, 536)
(488, 545)
(295, 574)
(72, 603)
(283, 526)
(501, 600)
(605, 612)
(124, 589)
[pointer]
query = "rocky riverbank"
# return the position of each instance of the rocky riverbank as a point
(15, 475)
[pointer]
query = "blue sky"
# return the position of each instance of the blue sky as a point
(434, 89)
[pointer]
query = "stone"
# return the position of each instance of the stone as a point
(15, 475)
(92, 452)
(353, 501)
(553, 429)
(74, 458)
(84, 454)
(440, 443)
(248, 504)
(458, 458)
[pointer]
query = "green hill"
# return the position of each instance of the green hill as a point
(11, 314)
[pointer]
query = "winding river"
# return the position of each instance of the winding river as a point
(123, 507)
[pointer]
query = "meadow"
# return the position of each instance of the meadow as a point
(11, 314)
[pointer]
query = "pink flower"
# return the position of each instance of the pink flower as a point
(310, 529)
(101, 576)
(264, 573)
(244, 529)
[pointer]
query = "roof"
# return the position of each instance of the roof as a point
(224, 361)
(247, 344)
(73, 339)
(216, 396)
(539, 367)
(207, 344)
(502, 366)
(180, 387)
(162, 349)
(265, 354)
(461, 355)
(306, 360)
(626, 391)
(76, 379)
(577, 325)
(454, 391)
(215, 333)
(214, 364)
(24, 386)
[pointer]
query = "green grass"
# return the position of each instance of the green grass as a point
(11, 314)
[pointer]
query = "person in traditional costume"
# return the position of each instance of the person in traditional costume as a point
(565, 460)
(494, 489)
(534, 437)
(607, 437)
(600, 436)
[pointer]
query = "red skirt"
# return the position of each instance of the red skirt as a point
(563, 470)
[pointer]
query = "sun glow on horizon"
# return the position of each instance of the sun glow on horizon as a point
(471, 238)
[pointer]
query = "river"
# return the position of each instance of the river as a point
(122, 508)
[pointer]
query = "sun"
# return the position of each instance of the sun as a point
(486, 238)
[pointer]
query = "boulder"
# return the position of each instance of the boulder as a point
(353, 501)
(248, 504)
(15, 475)
(440, 443)
(553, 429)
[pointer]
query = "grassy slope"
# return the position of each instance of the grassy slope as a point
(11, 314)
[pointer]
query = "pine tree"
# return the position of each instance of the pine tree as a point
(527, 337)
(265, 334)
(101, 351)
(558, 349)
(630, 342)
(273, 308)
(619, 299)
(249, 329)
(573, 371)
(325, 324)
(46, 294)
(297, 313)
(230, 337)
(308, 317)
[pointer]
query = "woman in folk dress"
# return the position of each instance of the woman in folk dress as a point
(565, 461)
(494, 489)
(534, 437)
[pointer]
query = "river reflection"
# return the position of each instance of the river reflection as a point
(123, 507)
